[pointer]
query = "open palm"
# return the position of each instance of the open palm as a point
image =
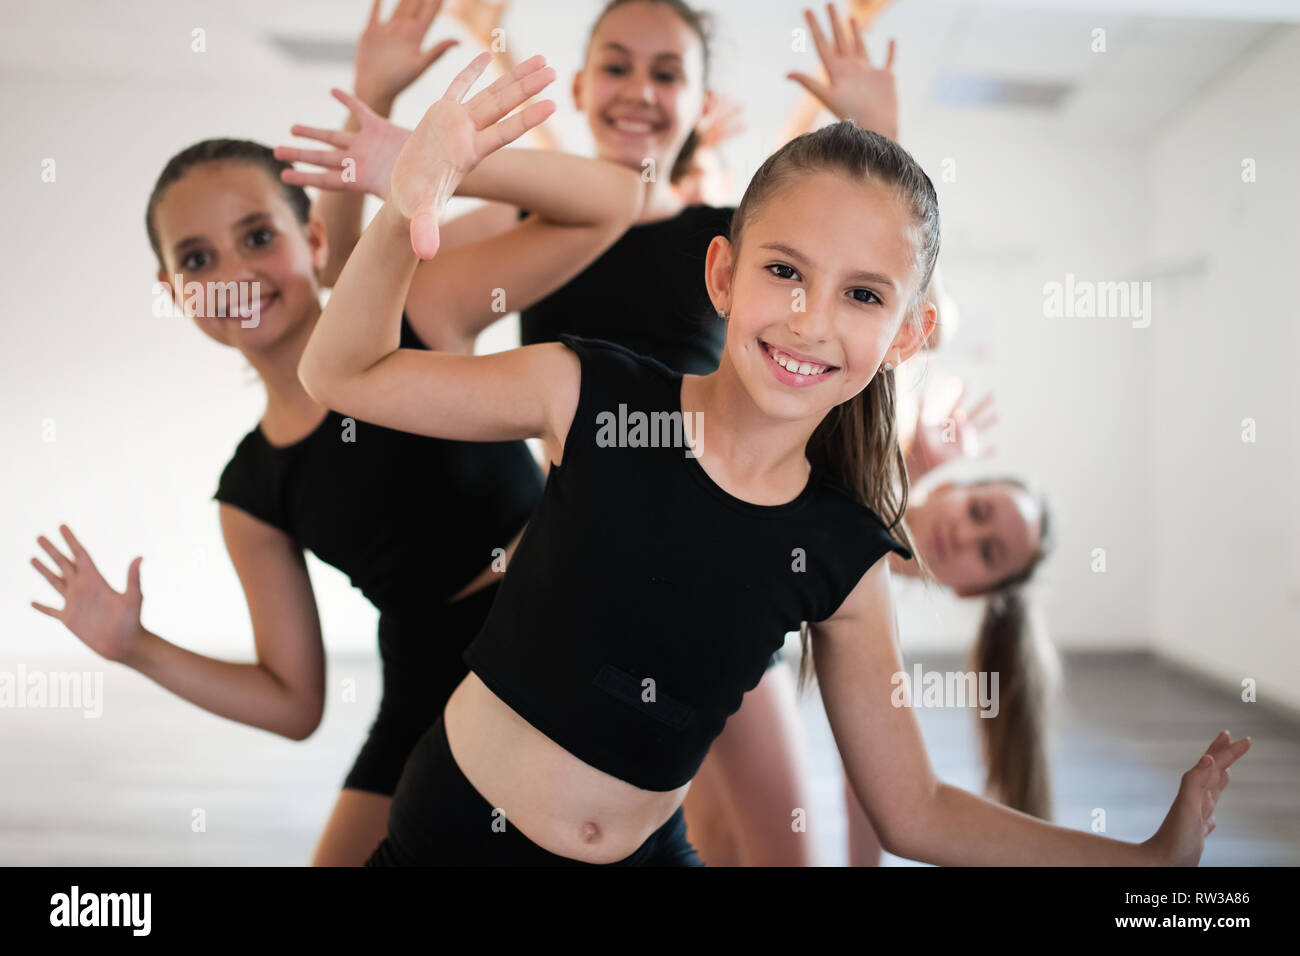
(361, 160)
(454, 136)
(106, 621)
(854, 88)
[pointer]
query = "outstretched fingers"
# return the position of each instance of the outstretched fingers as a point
(55, 580)
(65, 565)
(317, 157)
(490, 105)
(467, 77)
(512, 127)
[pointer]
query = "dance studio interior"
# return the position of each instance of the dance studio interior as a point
(1111, 366)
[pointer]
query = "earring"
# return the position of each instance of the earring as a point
(889, 366)
(722, 314)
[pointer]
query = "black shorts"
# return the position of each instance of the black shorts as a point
(439, 819)
(421, 654)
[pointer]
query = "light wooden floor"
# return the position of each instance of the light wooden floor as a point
(123, 789)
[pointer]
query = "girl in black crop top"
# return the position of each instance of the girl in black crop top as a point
(688, 521)
(360, 496)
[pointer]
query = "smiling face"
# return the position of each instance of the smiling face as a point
(818, 296)
(226, 222)
(642, 86)
(973, 536)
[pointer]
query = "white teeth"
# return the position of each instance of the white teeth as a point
(799, 368)
(632, 126)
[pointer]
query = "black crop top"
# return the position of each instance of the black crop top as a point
(645, 292)
(410, 519)
(644, 600)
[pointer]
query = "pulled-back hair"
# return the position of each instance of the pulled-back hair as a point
(857, 442)
(701, 23)
(1012, 643)
(222, 151)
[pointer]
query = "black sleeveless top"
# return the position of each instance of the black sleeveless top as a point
(644, 600)
(645, 292)
(410, 519)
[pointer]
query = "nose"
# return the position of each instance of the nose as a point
(639, 87)
(810, 319)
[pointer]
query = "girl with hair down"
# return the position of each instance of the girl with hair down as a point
(653, 583)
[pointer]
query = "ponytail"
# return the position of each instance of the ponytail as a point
(1011, 643)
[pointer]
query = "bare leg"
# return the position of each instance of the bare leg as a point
(708, 812)
(759, 766)
(864, 845)
(358, 824)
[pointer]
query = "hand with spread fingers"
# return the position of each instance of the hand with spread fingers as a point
(106, 621)
(854, 87)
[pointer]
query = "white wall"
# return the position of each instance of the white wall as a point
(1226, 556)
(1111, 420)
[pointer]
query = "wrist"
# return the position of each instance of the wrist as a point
(379, 100)
(135, 654)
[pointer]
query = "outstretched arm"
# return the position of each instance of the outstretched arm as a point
(353, 362)
(388, 60)
(282, 692)
(857, 656)
(580, 206)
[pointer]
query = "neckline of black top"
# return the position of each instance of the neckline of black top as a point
(329, 412)
(740, 504)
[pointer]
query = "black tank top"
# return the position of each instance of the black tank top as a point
(644, 600)
(410, 519)
(645, 292)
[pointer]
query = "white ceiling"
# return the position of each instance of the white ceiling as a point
(1160, 55)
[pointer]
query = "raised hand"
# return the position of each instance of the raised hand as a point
(854, 89)
(480, 17)
(1181, 837)
(453, 137)
(388, 57)
(361, 161)
(106, 621)
(948, 429)
(720, 120)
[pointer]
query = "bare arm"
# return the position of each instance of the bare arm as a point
(353, 362)
(283, 692)
(579, 208)
(388, 60)
(856, 654)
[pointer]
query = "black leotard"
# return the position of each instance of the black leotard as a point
(644, 600)
(646, 292)
(411, 520)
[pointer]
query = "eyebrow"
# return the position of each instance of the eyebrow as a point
(620, 48)
(800, 257)
(248, 220)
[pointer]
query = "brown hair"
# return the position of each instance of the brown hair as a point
(702, 24)
(1012, 643)
(857, 441)
(218, 151)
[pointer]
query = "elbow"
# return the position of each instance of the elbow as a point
(905, 827)
(304, 721)
(313, 380)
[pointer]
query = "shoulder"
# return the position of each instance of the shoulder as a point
(249, 453)
(613, 356)
(845, 506)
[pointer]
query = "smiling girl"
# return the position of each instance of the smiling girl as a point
(651, 587)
